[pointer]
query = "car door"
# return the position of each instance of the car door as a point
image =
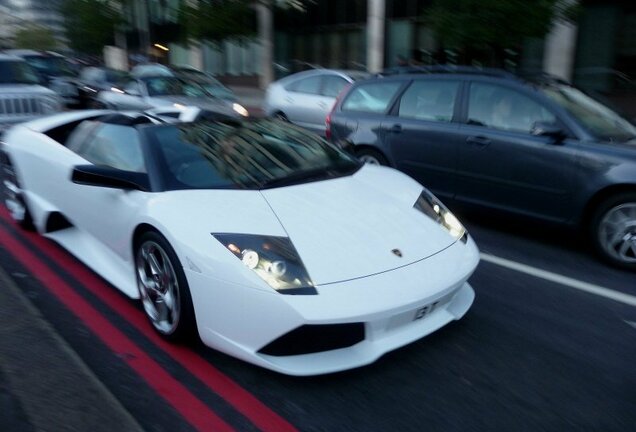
(503, 163)
(104, 213)
(306, 106)
(422, 135)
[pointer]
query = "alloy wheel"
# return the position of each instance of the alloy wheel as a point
(617, 233)
(158, 287)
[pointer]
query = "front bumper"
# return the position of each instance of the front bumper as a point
(241, 321)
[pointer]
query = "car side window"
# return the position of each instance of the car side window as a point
(332, 85)
(429, 100)
(371, 97)
(115, 146)
(502, 108)
(309, 85)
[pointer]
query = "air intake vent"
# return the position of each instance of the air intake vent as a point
(309, 339)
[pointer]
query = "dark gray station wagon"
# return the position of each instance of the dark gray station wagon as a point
(541, 149)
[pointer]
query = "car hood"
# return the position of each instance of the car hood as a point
(356, 226)
(219, 106)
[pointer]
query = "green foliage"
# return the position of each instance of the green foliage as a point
(493, 25)
(35, 37)
(218, 19)
(90, 24)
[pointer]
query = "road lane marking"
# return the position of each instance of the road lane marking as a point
(630, 323)
(560, 279)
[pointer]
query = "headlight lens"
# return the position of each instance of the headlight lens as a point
(428, 204)
(273, 259)
(240, 109)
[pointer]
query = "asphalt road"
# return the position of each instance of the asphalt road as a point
(530, 355)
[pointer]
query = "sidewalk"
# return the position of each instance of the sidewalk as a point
(44, 385)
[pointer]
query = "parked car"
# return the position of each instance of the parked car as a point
(163, 91)
(234, 231)
(542, 149)
(211, 85)
(94, 79)
(150, 69)
(305, 98)
(22, 98)
(55, 72)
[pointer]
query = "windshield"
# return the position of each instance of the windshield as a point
(170, 86)
(245, 155)
(115, 76)
(595, 117)
(53, 66)
(17, 72)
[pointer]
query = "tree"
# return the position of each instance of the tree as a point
(485, 29)
(90, 24)
(35, 37)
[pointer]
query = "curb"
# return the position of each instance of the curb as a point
(47, 382)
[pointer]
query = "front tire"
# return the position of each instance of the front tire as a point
(613, 230)
(163, 288)
(13, 196)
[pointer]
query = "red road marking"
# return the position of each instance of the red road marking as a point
(193, 410)
(242, 400)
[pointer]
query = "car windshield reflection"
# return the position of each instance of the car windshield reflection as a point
(245, 155)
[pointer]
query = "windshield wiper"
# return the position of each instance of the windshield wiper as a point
(310, 175)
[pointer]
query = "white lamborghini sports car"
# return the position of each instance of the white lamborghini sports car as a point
(269, 243)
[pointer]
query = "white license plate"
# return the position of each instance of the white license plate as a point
(425, 310)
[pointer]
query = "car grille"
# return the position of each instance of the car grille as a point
(20, 106)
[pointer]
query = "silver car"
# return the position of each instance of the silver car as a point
(152, 92)
(305, 98)
(22, 97)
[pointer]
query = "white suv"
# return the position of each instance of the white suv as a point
(22, 97)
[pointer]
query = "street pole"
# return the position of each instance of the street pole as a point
(265, 33)
(375, 35)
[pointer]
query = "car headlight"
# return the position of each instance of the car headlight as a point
(240, 109)
(273, 259)
(428, 204)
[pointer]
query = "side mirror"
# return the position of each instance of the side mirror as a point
(103, 176)
(548, 129)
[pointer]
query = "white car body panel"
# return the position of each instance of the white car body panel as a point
(343, 229)
(355, 210)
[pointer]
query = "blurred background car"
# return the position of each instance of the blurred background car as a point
(150, 69)
(305, 98)
(211, 85)
(22, 97)
(539, 148)
(161, 92)
(94, 79)
(55, 73)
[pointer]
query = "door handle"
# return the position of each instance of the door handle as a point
(322, 105)
(288, 99)
(479, 141)
(396, 128)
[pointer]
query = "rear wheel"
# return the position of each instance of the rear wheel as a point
(281, 116)
(613, 230)
(163, 288)
(13, 196)
(371, 157)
